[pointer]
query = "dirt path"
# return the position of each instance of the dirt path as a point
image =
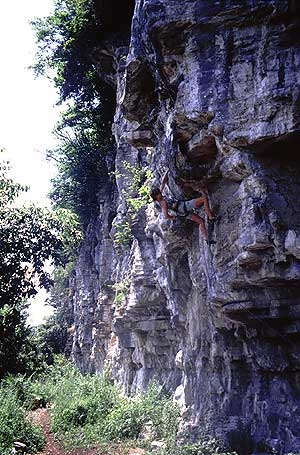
(41, 417)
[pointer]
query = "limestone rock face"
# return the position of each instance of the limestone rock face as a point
(210, 91)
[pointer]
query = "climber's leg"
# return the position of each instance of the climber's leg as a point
(204, 201)
(197, 219)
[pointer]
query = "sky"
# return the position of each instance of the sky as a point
(27, 110)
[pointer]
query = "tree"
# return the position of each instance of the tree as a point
(67, 39)
(55, 335)
(28, 237)
(84, 139)
(64, 39)
(66, 44)
(50, 338)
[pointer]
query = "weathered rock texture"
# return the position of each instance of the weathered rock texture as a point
(209, 90)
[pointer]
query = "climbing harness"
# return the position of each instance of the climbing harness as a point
(180, 208)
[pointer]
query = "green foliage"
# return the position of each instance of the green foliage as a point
(82, 400)
(90, 409)
(49, 381)
(66, 43)
(29, 236)
(14, 426)
(26, 390)
(59, 293)
(21, 349)
(99, 412)
(204, 447)
(121, 289)
(67, 39)
(50, 338)
(125, 421)
(136, 193)
(71, 234)
(84, 138)
(9, 190)
(64, 40)
(137, 186)
(40, 388)
(122, 232)
(164, 413)
(67, 52)
(131, 415)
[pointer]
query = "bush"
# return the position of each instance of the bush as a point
(81, 400)
(204, 447)
(153, 409)
(26, 391)
(90, 409)
(162, 412)
(14, 426)
(125, 421)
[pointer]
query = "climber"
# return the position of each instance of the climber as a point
(183, 209)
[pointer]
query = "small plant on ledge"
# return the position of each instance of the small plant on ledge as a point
(121, 288)
(137, 182)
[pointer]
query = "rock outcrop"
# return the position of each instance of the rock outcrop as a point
(210, 91)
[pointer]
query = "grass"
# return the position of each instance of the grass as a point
(14, 424)
(88, 411)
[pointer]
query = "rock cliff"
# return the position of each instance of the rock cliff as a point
(210, 91)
